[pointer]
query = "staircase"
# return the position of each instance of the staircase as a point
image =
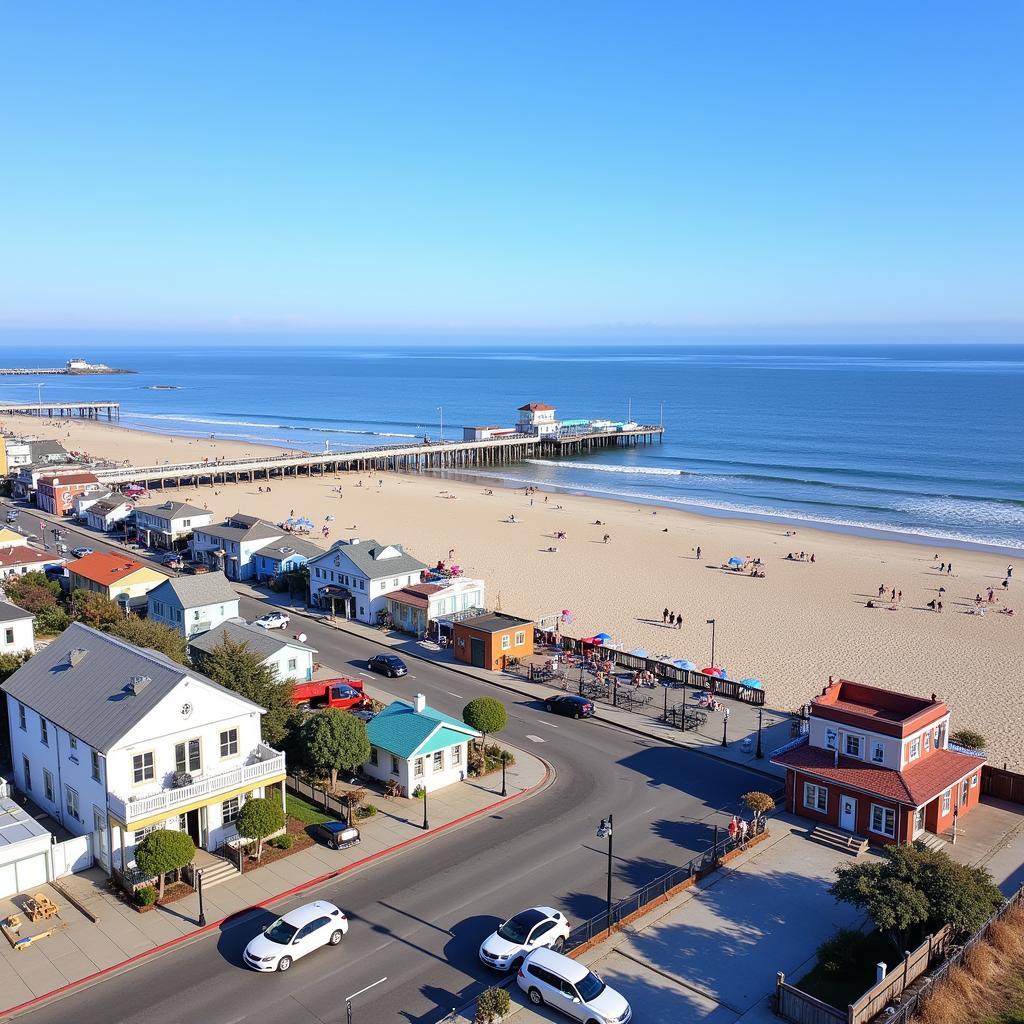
(837, 839)
(215, 869)
(934, 842)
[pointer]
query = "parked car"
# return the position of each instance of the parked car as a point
(550, 979)
(296, 934)
(272, 620)
(506, 948)
(81, 552)
(569, 704)
(336, 834)
(387, 665)
(365, 714)
(12, 515)
(197, 568)
(344, 693)
(172, 560)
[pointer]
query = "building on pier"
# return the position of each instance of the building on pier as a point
(538, 419)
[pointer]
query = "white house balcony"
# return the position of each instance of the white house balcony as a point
(262, 764)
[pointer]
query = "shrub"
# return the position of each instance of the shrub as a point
(968, 738)
(510, 758)
(842, 951)
(366, 811)
(285, 842)
(51, 620)
(419, 792)
(492, 1004)
(145, 896)
(258, 818)
(162, 851)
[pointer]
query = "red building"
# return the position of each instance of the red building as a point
(877, 764)
(56, 494)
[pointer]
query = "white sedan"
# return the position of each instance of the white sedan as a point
(297, 933)
(272, 620)
(505, 949)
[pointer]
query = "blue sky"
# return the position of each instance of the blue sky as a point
(543, 165)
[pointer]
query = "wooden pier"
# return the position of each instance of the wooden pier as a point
(498, 451)
(88, 410)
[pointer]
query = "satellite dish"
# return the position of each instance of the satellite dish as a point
(302, 638)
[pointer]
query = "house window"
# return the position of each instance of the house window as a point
(520, 638)
(229, 743)
(915, 748)
(71, 801)
(186, 756)
(947, 799)
(48, 785)
(394, 765)
(974, 780)
(373, 755)
(831, 737)
(9, 635)
(383, 584)
(95, 765)
(456, 756)
(229, 810)
(44, 732)
(292, 664)
(927, 741)
(853, 745)
(878, 753)
(963, 793)
(506, 642)
(439, 761)
(141, 833)
(26, 768)
(21, 718)
(143, 769)
(394, 583)
(417, 768)
(186, 522)
(815, 797)
(195, 616)
(883, 821)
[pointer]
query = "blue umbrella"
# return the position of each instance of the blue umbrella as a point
(602, 636)
(754, 684)
(737, 561)
(639, 653)
(686, 666)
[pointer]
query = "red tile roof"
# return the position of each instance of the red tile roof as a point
(417, 596)
(60, 479)
(104, 568)
(874, 701)
(535, 407)
(21, 554)
(915, 786)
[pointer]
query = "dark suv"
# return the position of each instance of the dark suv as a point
(387, 665)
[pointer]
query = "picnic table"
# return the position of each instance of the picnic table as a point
(40, 907)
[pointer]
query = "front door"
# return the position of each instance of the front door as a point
(918, 821)
(192, 827)
(476, 652)
(848, 813)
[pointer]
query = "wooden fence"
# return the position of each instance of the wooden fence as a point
(795, 1005)
(1003, 785)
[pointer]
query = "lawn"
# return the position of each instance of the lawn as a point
(307, 813)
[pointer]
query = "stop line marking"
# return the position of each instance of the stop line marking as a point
(535, 739)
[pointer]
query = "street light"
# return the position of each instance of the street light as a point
(348, 999)
(199, 889)
(440, 409)
(725, 728)
(760, 752)
(604, 831)
(711, 623)
(504, 755)
(426, 824)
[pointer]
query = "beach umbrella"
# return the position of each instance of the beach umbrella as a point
(639, 653)
(737, 561)
(603, 637)
(711, 670)
(686, 666)
(754, 684)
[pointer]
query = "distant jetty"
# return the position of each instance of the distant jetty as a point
(72, 368)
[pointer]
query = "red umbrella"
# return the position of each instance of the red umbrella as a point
(712, 671)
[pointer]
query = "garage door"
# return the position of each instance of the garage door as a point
(31, 873)
(8, 880)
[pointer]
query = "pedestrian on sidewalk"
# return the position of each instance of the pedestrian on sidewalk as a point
(742, 831)
(733, 829)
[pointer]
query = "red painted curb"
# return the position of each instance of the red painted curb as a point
(36, 1000)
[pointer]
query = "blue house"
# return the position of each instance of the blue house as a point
(284, 555)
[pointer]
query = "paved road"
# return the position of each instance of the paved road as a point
(419, 917)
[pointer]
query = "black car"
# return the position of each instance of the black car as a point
(571, 705)
(336, 834)
(387, 664)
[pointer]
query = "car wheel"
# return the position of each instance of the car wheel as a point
(547, 707)
(535, 997)
(337, 936)
(391, 673)
(516, 963)
(335, 846)
(559, 945)
(576, 715)
(284, 963)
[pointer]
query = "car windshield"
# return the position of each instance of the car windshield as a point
(281, 932)
(344, 693)
(517, 928)
(393, 661)
(590, 987)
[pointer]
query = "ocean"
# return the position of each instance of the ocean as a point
(916, 440)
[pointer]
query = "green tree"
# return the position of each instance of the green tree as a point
(914, 890)
(164, 850)
(51, 621)
(95, 609)
(331, 740)
(492, 1005)
(15, 585)
(968, 738)
(10, 663)
(758, 803)
(258, 818)
(233, 665)
(154, 635)
(33, 597)
(485, 714)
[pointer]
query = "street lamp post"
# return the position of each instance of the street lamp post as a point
(426, 824)
(711, 623)
(504, 791)
(604, 831)
(440, 409)
(725, 728)
(199, 889)
(348, 999)
(760, 752)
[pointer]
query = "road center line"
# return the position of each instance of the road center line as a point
(550, 725)
(450, 694)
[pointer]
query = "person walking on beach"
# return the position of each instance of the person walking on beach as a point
(679, 620)
(942, 567)
(664, 615)
(881, 590)
(899, 597)
(938, 606)
(1009, 571)
(671, 618)
(607, 537)
(893, 598)
(991, 595)
(949, 569)
(698, 552)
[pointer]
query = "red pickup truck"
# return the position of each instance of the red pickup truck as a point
(344, 693)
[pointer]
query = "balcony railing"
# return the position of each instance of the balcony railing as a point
(262, 764)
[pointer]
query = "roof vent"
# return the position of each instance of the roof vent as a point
(76, 656)
(287, 551)
(137, 684)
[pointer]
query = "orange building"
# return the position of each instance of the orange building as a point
(56, 494)
(488, 639)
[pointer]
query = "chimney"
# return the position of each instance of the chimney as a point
(420, 702)
(76, 656)
(138, 684)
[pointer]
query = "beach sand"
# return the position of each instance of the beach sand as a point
(792, 629)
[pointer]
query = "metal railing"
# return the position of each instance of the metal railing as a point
(660, 887)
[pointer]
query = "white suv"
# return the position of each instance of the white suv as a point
(537, 927)
(551, 979)
(297, 933)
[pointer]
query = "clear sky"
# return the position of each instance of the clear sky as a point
(550, 164)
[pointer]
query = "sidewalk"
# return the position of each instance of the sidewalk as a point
(743, 718)
(80, 948)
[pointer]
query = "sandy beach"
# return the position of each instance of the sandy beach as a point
(799, 624)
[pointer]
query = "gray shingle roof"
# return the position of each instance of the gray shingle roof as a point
(279, 550)
(105, 505)
(248, 528)
(264, 642)
(195, 591)
(172, 510)
(92, 699)
(11, 612)
(365, 555)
